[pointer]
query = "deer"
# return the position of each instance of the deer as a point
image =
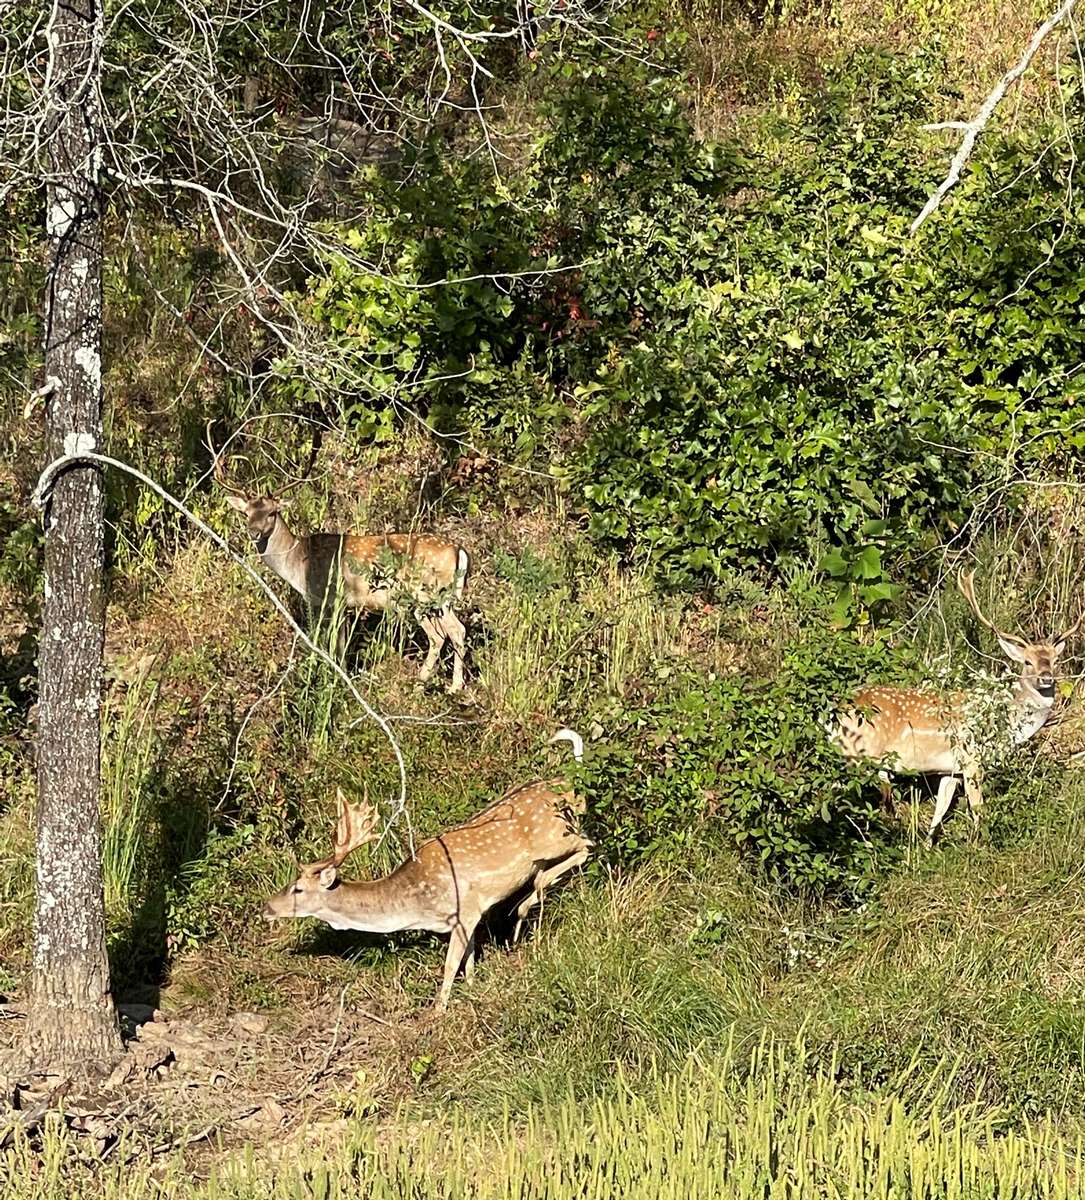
(914, 731)
(528, 839)
(365, 572)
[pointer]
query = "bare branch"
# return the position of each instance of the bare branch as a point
(41, 491)
(972, 129)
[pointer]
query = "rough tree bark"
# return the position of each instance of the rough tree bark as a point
(71, 1020)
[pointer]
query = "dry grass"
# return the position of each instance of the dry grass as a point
(771, 1125)
(741, 66)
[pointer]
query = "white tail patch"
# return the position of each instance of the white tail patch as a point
(574, 739)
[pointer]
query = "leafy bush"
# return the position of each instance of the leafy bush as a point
(795, 366)
(749, 358)
(749, 763)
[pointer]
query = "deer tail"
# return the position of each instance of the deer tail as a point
(574, 739)
(463, 565)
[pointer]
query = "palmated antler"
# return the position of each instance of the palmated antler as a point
(966, 582)
(357, 825)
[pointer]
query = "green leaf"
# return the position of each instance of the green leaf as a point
(861, 490)
(834, 564)
(868, 565)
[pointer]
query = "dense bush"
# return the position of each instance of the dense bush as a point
(747, 762)
(800, 365)
(752, 357)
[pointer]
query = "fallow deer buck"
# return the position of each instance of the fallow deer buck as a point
(918, 732)
(527, 840)
(366, 572)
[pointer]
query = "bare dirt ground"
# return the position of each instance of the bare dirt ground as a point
(208, 1085)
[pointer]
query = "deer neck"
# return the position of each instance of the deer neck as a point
(377, 906)
(1031, 708)
(285, 554)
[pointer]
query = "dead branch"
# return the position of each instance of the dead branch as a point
(972, 129)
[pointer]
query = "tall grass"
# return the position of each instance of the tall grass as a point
(556, 650)
(772, 1127)
(127, 803)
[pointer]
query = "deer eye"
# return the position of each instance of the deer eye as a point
(296, 890)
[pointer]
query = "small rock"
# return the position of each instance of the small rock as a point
(122, 1072)
(270, 1115)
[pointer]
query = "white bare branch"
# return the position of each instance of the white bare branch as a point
(972, 129)
(41, 491)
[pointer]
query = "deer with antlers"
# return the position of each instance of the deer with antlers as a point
(525, 842)
(919, 732)
(365, 572)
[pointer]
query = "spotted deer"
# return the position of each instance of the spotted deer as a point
(916, 732)
(366, 572)
(524, 843)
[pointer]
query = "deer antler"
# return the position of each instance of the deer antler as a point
(356, 826)
(966, 582)
(314, 450)
(220, 474)
(223, 482)
(1065, 637)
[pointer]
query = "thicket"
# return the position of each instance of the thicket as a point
(751, 362)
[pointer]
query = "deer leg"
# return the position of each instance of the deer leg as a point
(431, 627)
(461, 940)
(542, 881)
(454, 629)
(974, 795)
(469, 959)
(885, 786)
(947, 789)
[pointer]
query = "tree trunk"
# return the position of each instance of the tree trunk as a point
(71, 1021)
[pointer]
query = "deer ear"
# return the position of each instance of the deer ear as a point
(239, 503)
(1012, 650)
(329, 877)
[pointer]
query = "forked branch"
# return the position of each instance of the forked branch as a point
(972, 129)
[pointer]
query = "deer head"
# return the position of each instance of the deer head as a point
(1037, 659)
(306, 897)
(261, 512)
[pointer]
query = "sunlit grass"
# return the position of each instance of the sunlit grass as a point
(770, 1125)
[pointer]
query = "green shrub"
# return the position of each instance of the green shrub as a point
(748, 763)
(748, 357)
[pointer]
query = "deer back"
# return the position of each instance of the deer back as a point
(920, 730)
(375, 567)
(499, 850)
